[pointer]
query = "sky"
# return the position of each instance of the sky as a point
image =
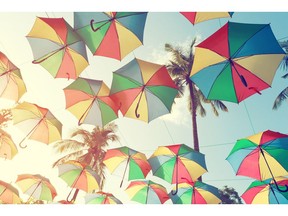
(216, 134)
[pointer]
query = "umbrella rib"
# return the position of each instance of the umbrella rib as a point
(88, 108)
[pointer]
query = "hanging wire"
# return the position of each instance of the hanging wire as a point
(168, 131)
(249, 117)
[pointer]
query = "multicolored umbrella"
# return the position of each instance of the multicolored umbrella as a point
(266, 192)
(261, 156)
(196, 193)
(8, 148)
(57, 48)
(143, 90)
(12, 85)
(8, 194)
(101, 198)
(37, 122)
(111, 34)
(135, 162)
(36, 186)
(197, 17)
(147, 192)
(88, 100)
(236, 62)
(177, 163)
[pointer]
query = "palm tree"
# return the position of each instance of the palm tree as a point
(91, 150)
(229, 195)
(179, 67)
(5, 117)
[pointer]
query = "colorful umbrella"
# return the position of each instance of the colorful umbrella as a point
(8, 148)
(88, 100)
(261, 156)
(236, 62)
(101, 198)
(8, 194)
(196, 193)
(136, 162)
(36, 186)
(111, 34)
(266, 192)
(57, 48)
(12, 85)
(143, 90)
(177, 163)
(79, 175)
(197, 17)
(147, 192)
(37, 122)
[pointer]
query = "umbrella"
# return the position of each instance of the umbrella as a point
(37, 122)
(111, 34)
(36, 186)
(101, 198)
(57, 48)
(197, 17)
(177, 163)
(78, 175)
(265, 192)
(8, 148)
(236, 62)
(143, 90)
(261, 156)
(196, 193)
(89, 101)
(12, 85)
(136, 162)
(8, 194)
(147, 192)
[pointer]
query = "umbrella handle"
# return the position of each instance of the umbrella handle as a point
(21, 146)
(279, 189)
(175, 192)
(136, 111)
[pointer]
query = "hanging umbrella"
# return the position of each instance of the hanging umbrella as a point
(88, 100)
(101, 198)
(177, 163)
(197, 17)
(265, 192)
(36, 186)
(57, 48)
(143, 90)
(135, 163)
(236, 62)
(261, 156)
(8, 194)
(111, 34)
(37, 122)
(12, 85)
(79, 176)
(147, 192)
(196, 193)
(8, 148)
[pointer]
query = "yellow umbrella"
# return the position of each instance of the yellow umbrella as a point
(8, 148)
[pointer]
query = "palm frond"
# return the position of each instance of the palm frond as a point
(177, 55)
(284, 63)
(71, 156)
(86, 135)
(280, 98)
(285, 76)
(220, 105)
(69, 145)
(176, 70)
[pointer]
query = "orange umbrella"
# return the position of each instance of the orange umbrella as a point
(8, 194)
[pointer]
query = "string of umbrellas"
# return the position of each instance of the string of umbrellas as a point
(242, 63)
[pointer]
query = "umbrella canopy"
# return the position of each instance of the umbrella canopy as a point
(12, 85)
(78, 175)
(177, 163)
(36, 186)
(8, 194)
(143, 90)
(197, 17)
(8, 148)
(196, 193)
(37, 122)
(266, 192)
(111, 34)
(147, 192)
(236, 62)
(101, 198)
(135, 163)
(88, 100)
(57, 47)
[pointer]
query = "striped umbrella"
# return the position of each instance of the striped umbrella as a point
(111, 34)
(101, 198)
(8, 194)
(197, 17)
(147, 192)
(8, 148)
(143, 90)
